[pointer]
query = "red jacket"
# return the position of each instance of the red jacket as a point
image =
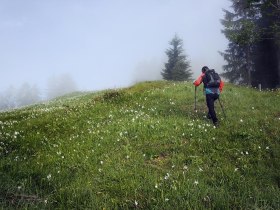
(199, 80)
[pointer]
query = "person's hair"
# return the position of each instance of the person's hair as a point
(204, 69)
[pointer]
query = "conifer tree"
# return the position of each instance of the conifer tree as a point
(253, 31)
(178, 67)
(267, 55)
(242, 32)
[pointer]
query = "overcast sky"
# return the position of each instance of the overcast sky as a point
(105, 43)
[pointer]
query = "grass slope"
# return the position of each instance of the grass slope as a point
(142, 147)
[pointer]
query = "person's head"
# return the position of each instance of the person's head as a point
(204, 69)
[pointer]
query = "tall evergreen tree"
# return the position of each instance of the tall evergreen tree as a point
(242, 32)
(267, 55)
(178, 67)
(236, 68)
(253, 31)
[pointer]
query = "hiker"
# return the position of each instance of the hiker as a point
(213, 86)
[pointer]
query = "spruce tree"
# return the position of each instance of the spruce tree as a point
(253, 31)
(241, 30)
(178, 67)
(267, 55)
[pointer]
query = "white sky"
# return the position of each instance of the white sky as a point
(105, 43)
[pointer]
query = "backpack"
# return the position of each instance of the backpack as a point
(211, 79)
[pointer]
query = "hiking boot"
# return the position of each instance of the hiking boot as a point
(216, 124)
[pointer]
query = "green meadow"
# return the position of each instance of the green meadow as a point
(143, 147)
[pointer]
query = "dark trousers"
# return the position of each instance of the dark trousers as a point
(210, 100)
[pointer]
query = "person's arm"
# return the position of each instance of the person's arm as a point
(221, 85)
(198, 81)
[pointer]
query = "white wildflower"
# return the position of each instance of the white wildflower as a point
(167, 176)
(196, 182)
(241, 120)
(49, 176)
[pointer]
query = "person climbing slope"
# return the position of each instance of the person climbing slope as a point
(213, 86)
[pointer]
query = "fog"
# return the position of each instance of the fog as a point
(104, 44)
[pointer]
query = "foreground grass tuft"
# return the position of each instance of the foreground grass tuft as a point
(142, 147)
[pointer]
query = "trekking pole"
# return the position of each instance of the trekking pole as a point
(195, 98)
(222, 108)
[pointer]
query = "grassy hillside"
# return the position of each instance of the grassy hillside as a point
(143, 147)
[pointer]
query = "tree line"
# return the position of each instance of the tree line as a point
(27, 94)
(253, 52)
